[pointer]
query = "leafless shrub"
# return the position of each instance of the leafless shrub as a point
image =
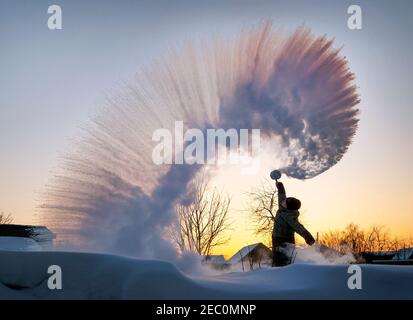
(202, 224)
(5, 218)
(263, 208)
(356, 240)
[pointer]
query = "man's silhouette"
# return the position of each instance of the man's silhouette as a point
(285, 225)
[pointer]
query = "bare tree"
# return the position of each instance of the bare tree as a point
(356, 240)
(5, 218)
(263, 208)
(377, 239)
(202, 223)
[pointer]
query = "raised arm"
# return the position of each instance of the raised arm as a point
(281, 194)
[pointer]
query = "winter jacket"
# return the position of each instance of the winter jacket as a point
(286, 222)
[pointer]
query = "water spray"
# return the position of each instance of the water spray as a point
(296, 88)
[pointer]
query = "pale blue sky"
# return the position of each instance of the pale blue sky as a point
(52, 81)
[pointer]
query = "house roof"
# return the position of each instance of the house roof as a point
(215, 258)
(37, 233)
(404, 254)
(243, 253)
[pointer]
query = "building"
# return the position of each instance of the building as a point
(214, 258)
(25, 238)
(216, 262)
(252, 256)
(399, 257)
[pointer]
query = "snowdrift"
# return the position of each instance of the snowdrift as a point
(23, 275)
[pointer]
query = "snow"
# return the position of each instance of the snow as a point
(23, 275)
(315, 255)
(42, 235)
(19, 244)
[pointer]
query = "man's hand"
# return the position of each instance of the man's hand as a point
(280, 187)
(310, 240)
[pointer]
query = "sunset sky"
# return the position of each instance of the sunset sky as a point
(52, 81)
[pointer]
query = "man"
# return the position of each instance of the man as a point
(285, 225)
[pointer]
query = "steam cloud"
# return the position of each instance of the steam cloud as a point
(110, 196)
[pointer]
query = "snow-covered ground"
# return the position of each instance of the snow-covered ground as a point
(19, 244)
(23, 275)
